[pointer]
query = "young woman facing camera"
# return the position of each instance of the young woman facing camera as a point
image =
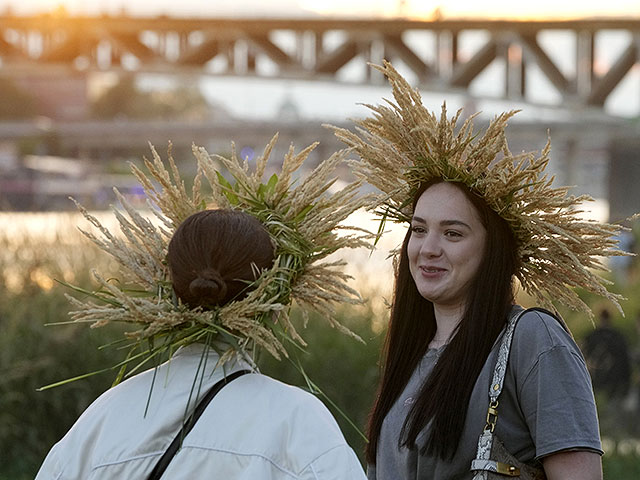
(445, 249)
(473, 385)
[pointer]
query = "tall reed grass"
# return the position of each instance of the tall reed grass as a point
(37, 253)
(31, 354)
(37, 250)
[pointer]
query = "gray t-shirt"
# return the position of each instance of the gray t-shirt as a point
(546, 405)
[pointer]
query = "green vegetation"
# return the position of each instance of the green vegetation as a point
(344, 370)
(125, 100)
(15, 103)
(32, 355)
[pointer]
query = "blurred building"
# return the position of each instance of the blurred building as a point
(624, 177)
(45, 183)
(58, 97)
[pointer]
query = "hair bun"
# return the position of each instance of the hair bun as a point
(208, 287)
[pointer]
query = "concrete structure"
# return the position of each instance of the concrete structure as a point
(435, 51)
(51, 56)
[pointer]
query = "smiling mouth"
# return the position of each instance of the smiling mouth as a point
(432, 269)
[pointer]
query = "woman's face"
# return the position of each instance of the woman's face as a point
(446, 245)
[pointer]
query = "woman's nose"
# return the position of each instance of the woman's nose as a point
(430, 246)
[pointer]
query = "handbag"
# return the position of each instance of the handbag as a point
(168, 455)
(493, 461)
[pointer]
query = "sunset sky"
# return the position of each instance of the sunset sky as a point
(329, 101)
(625, 100)
(407, 8)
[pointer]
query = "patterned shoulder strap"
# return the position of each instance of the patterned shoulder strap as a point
(495, 389)
(483, 463)
(505, 348)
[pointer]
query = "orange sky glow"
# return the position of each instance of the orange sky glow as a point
(505, 9)
(540, 9)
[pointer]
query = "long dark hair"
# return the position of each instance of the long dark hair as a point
(215, 254)
(442, 401)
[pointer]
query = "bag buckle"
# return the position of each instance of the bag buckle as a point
(506, 469)
(492, 416)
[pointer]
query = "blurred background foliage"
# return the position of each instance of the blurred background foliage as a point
(123, 99)
(33, 355)
(15, 102)
(126, 100)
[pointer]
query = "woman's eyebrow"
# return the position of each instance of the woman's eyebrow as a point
(443, 223)
(448, 223)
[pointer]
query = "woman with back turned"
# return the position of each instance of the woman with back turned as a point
(208, 412)
(478, 219)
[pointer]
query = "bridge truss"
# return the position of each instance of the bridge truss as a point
(440, 54)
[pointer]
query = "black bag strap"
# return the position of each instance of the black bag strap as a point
(168, 455)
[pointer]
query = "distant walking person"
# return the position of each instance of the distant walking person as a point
(608, 359)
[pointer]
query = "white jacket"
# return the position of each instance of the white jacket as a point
(256, 428)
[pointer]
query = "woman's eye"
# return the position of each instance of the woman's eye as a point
(452, 233)
(417, 229)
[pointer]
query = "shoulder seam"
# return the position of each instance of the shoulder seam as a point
(197, 447)
(543, 319)
(240, 454)
(310, 464)
(535, 364)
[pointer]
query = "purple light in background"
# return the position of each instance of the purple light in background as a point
(138, 190)
(247, 152)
